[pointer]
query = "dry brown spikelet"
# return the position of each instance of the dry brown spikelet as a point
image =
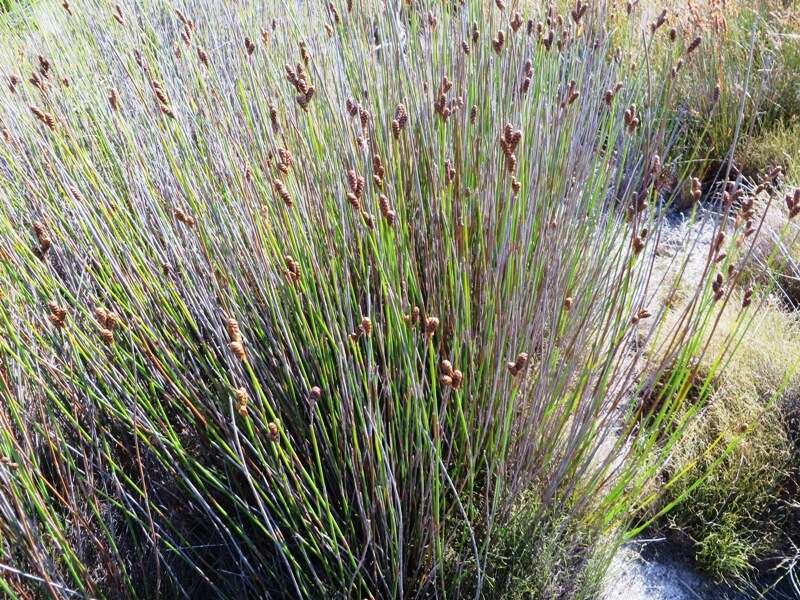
(499, 41)
(117, 14)
(113, 99)
(242, 399)
(107, 335)
(58, 314)
(45, 243)
(694, 45)
(283, 193)
(274, 433)
(519, 364)
(238, 350)
(431, 324)
(44, 117)
(203, 56)
(366, 325)
(458, 378)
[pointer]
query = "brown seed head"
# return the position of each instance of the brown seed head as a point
(458, 378)
(242, 398)
(366, 325)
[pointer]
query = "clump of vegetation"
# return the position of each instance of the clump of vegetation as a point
(779, 145)
(733, 506)
(338, 300)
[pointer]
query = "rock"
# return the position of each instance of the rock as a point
(654, 572)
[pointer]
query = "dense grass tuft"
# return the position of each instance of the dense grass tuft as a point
(338, 300)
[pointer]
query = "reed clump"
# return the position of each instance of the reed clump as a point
(324, 338)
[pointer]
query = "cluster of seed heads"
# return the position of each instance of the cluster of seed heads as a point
(65, 5)
(527, 75)
(297, 77)
(732, 194)
(188, 28)
(716, 246)
(273, 431)
(697, 190)
(444, 107)
(292, 269)
(509, 140)
(676, 68)
(185, 218)
(631, 119)
(747, 298)
(793, 203)
(378, 171)
(283, 193)
(356, 183)
(717, 287)
(642, 314)
(516, 22)
(450, 377)
(572, 94)
(249, 46)
(285, 160)
(413, 317)
(519, 364)
(694, 45)
(430, 326)
(432, 20)
(117, 14)
(660, 20)
(746, 215)
(768, 179)
(673, 34)
(108, 321)
(44, 66)
(609, 95)
(364, 329)
(400, 120)
(273, 116)
(44, 117)
(235, 342)
(387, 211)
(638, 241)
(354, 109)
(449, 172)
(39, 83)
(499, 41)
(113, 99)
(202, 56)
(45, 243)
(58, 314)
(579, 10)
(242, 399)
(305, 56)
(161, 98)
(546, 40)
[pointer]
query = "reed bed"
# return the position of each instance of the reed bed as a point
(336, 299)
